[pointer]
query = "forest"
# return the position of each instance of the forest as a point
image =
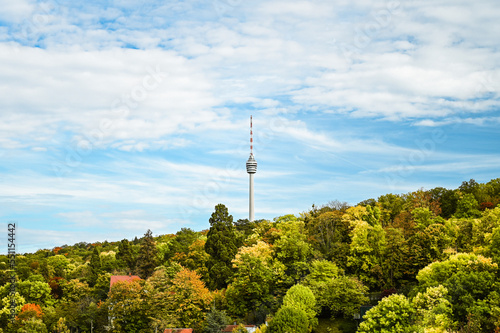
(425, 261)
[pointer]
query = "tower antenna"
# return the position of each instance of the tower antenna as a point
(251, 136)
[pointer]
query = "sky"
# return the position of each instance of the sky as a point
(121, 116)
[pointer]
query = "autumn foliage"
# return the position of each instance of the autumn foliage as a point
(29, 311)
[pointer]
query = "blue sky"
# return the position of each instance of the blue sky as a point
(122, 116)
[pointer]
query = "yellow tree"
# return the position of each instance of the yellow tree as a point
(179, 299)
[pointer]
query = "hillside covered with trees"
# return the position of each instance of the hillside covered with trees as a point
(425, 261)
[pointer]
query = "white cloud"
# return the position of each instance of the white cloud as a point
(16, 11)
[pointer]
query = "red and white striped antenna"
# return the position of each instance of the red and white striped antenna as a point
(251, 137)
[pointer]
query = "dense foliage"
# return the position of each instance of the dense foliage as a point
(425, 261)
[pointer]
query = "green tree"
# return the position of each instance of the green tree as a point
(33, 326)
(61, 326)
(292, 250)
(35, 291)
(108, 261)
(390, 207)
(181, 242)
(301, 297)
(393, 314)
(253, 281)
(493, 247)
(321, 271)
(289, 320)
(342, 296)
(60, 264)
(395, 258)
(75, 290)
(447, 199)
(147, 260)
(125, 256)
(329, 234)
(467, 207)
(95, 266)
(470, 280)
(433, 311)
(101, 287)
(216, 320)
(221, 246)
(366, 257)
(427, 246)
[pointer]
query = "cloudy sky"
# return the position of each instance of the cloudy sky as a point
(122, 116)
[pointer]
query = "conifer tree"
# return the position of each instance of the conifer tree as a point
(221, 246)
(125, 255)
(148, 256)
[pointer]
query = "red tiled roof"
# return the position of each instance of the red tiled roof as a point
(126, 278)
(178, 330)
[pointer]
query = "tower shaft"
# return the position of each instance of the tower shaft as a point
(251, 214)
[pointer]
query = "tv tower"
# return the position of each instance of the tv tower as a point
(251, 169)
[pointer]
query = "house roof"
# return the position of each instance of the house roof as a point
(229, 328)
(127, 278)
(178, 330)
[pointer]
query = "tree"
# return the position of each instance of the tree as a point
(293, 251)
(189, 298)
(33, 325)
(148, 256)
(125, 256)
(427, 246)
(330, 235)
(395, 259)
(301, 297)
(390, 207)
(470, 280)
(289, 320)
(108, 261)
(101, 287)
(321, 271)
(447, 200)
(95, 266)
(36, 291)
(197, 258)
(366, 253)
(5, 305)
(61, 326)
(129, 306)
(221, 246)
(60, 264)
(253, 282)
(391, 315)
(433, 311)
(30, 311)
(183, 240)
(467, 207)
(216, 320)
(343, 296)
(469, 187)
(178, 299)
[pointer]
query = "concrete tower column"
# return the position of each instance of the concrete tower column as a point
(251, 212)
(251, 169)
